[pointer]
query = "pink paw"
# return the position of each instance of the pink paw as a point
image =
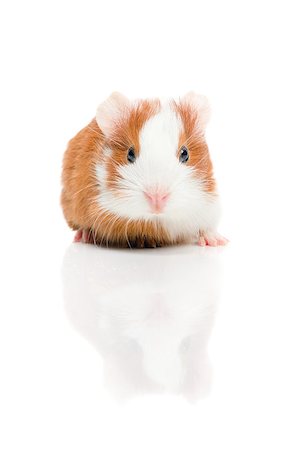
(212, 239)
(84, 236)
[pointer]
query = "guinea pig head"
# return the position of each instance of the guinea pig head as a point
(156, 164)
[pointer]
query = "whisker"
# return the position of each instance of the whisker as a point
(126, 232)
(86, 187)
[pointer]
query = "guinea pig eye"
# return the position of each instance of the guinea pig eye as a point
(131, 156)
(184, 155)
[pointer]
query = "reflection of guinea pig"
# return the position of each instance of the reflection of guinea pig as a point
(151, 329)
(140, 175)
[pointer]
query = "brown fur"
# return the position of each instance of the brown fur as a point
(126, 135)
(195, 142)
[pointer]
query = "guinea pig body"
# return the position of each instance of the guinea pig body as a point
(140, 175)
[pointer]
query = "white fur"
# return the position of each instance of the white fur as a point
(109, 112)
(189, 208)
(201, 104)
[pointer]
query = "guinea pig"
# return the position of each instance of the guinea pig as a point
(140, 175)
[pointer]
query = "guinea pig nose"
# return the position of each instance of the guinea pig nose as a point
(157, 200)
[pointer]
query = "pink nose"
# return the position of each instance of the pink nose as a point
(157, 200)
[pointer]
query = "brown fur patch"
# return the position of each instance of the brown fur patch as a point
(194, 140)
(111, 230)
(126, 135)
(80, 185)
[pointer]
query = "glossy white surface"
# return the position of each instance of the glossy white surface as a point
(178, 348)
(182, 347)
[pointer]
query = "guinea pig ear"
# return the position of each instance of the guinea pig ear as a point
(110, 111)
(201, 104)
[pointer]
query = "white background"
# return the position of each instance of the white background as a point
(99, 349)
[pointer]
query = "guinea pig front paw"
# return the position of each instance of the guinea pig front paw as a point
(211, 238)
(84, 236)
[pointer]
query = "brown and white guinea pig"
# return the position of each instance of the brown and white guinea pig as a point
(140, 175)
